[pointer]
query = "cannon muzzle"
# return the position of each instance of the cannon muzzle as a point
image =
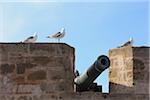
(84, 81)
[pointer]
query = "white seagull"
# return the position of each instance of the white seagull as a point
(58, 35)
(31, 39)
(128, 43)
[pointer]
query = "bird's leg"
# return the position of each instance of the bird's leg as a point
(58, 40)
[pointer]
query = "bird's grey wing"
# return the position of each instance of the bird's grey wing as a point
(127, 43)
(31, 37)
(57, 34)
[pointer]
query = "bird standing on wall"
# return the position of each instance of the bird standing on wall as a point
(58, 35)
(77, 73)
(128, 43)
(31, 39)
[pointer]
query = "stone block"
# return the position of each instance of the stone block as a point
(42, 46)
(56, 86)
(20, 69)
(23, 98)
(7, 68)
(142, 97)
(14, 49)
(19, 79)
(141, 52)
(7, 85)
(4, 57)
(119, 89)
(42, 60)
(127, 96)
(37, 75)
(56, 74)
(52, 49)
(17, 59)
(141, 87)
(121, 70)
(51, 96)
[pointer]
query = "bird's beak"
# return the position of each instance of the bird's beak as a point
(47, 37)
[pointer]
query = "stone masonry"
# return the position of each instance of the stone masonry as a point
(129, 71)
(121, 70)
(45, 71)
(35, 69)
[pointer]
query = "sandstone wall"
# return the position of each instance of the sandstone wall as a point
(35, 69)
(121, 70)
(74, 96)
(129, 71)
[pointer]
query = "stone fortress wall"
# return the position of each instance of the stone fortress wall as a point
(45, 71)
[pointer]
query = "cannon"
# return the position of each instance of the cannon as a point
(84, 82)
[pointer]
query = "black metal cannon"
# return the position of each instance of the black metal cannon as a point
(85, 81)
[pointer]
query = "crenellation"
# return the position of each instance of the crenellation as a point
(135, 72)
(45, 71)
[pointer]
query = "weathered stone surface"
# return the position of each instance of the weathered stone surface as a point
(42, 60)
(76, 96)
(19, 79)
(129, 70)
(27, 65)
(14, 47)
(22, 98)
(121, 70)
(44, 47)
(20, 69)
(56, 75)
(7, 68)
(7, 85)
(17, 59)
(119, 89)
(56, 86)
(3, 57)
(52, 63)
(37, 75)
(141, 70)
(45, 71)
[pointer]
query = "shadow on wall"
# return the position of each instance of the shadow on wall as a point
(119, 89)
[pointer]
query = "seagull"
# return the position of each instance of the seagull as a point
(77, 73)
(31, 39)
(58, 35)
(128, 43)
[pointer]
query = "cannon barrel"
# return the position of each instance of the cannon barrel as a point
(85, 80)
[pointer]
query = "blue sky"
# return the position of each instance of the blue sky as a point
(92, 27)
